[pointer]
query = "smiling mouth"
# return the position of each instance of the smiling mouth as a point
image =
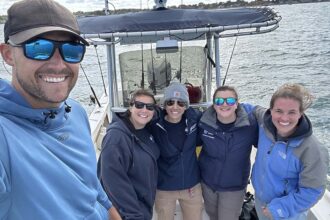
(49, 79)
(224, 109)
(143, 116)
(284, 123)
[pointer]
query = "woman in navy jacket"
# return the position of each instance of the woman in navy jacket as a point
(228, 131)
(176, 133)
(127, 166)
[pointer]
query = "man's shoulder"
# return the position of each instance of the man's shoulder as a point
(4, 159)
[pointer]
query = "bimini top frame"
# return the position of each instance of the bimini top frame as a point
(180, 24)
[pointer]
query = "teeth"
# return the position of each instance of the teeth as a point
(54, 79)
(143, 116)
(284, 123)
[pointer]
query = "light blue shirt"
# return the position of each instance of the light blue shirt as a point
(47, 166)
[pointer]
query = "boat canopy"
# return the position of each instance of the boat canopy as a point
(174, 21)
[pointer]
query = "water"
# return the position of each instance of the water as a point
(297, 52)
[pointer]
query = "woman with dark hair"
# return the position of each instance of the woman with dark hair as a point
(176, 133)
(290, 171)
(228, 131)
(127, 166)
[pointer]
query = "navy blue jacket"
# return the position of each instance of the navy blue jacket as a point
(127, 169)
(225, 157)
(177, 169)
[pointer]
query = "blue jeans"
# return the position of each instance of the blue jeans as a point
(259, 204)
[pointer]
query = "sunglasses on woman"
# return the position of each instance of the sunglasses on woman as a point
(178, 102)
(220, 101)
(43, 49)
(140, 105)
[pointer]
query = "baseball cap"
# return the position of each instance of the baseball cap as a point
(29, 18)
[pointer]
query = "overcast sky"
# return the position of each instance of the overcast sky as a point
(92, 5)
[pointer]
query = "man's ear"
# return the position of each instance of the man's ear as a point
(7, 53)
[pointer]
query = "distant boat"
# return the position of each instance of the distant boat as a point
(169, 48)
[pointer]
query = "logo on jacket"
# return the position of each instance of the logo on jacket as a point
(282, 154)
(63, 137)
(191, 130)
(208, 134)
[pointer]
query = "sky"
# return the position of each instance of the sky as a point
(92, 5)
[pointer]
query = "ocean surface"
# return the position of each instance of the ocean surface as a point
(298, 52)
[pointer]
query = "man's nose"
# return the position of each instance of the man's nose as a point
(57, 58)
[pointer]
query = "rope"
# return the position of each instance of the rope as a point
(208, 56)
(142, 80)
(232, 52)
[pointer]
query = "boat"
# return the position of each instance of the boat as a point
(162, 45)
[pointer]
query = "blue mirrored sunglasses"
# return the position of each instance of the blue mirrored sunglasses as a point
(220, 101)
(44, 49)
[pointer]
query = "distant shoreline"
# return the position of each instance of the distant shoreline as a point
(228, 4)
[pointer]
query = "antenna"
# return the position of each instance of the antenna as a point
(106, 8)
(160, 4)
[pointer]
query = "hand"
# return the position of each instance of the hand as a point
(113, 214)
(266, 212)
